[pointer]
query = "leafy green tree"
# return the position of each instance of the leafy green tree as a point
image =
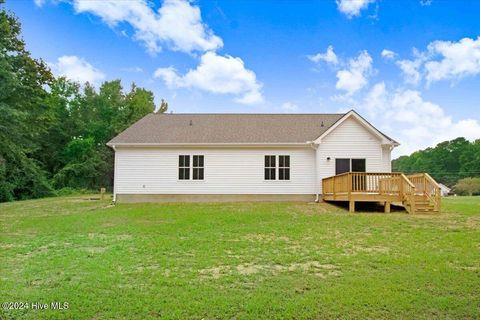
(22, 114)
(82, 165)
(468, 186)
(54, 131)
(163, 106)
(447, 162)
(87, 161)
(62, 121)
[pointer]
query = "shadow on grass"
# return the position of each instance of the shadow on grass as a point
(368, 207)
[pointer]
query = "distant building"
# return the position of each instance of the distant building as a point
(445, 190)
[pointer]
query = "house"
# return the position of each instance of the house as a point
(445, 191)
(243, 157)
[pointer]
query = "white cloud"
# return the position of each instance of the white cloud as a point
(457, 59)
(412, 68)
(39, 3)
(413, 121)
(375, 101)
(290, 107)
(356, 76)
(329, 56)
(76, 69)
(388, 54)
(177, 24)
(443, 60)
(352, 8)
(217, 74)
(425, 3)
(133, 69)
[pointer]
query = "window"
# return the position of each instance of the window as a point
(198, 167)
(270, 167)
(183, 167)
(350, 165)
(358, 165)
(342, 165)
(283, 167)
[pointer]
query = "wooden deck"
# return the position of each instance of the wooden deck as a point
(417, 193)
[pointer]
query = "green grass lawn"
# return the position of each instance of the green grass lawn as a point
(215, 261)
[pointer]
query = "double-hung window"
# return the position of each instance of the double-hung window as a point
(272, 166)
(198, 167)
(283, 167)
(184, 167)
(191, 170)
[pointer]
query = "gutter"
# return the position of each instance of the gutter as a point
(243, 144)
(114, 171)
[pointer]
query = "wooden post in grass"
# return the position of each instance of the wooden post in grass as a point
(387, 207)
(351, 206)
(102, 193)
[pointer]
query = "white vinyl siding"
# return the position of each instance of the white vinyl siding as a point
(226, 171)
(386, 157)
(351, 140)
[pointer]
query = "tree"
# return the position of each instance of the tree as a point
(22, 114)
(54, 131)
(86, 160)
(468, 186)
(447, 162)
(163, 107)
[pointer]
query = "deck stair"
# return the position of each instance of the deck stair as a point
(418, 193)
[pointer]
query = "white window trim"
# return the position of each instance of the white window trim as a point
(190, 169)
(277, 168)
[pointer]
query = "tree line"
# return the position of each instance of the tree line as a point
(455, 163)
(53, 131)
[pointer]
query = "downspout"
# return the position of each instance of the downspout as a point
(314, 147)
(114, 172)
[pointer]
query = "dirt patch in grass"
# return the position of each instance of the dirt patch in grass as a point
(308, 267)
(93, 250)
(215, 272)
(316, 208)
(265, 238)
(103, 236)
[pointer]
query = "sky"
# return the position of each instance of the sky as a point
(412, 67)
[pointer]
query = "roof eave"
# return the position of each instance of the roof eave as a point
(241, 144)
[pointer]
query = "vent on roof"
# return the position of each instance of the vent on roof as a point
(322, 125)
(191, 122)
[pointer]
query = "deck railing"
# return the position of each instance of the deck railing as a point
(415, 190)
(394, 186)
(365, 182)
(425, 185)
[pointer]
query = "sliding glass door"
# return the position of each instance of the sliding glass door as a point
(350, 165)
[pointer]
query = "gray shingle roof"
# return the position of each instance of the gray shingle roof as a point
(226, 128)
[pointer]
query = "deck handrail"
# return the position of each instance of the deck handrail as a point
(408, 181)
(428, 187)
(380, 182)
(387, 186)
(408, 194)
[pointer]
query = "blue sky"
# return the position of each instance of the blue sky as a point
(410, 67)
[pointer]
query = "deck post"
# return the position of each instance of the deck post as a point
(351, 206)
(387, 206)
(412, 202)
(438, 196)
